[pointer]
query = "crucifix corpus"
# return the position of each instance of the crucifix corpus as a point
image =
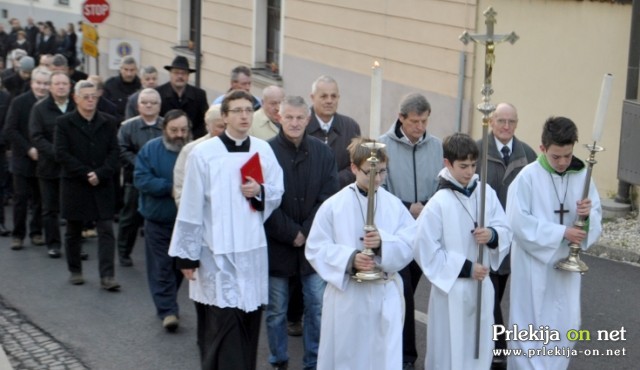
(489, 40)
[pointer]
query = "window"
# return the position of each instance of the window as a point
(187, 24)
(268, 37)
(63, 2)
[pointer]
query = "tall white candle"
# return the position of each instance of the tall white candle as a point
(601, 112)
(376, 100)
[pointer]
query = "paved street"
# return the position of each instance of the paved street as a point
(45, 323)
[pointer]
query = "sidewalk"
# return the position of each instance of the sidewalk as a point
(29, 346)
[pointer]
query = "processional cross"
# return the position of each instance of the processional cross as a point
(489, 40)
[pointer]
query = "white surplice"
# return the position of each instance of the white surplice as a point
(442, 244)
(540, 294)
(217, 226)
(361, 322)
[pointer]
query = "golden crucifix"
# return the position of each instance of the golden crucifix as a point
(489, 40)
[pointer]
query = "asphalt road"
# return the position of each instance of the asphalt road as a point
(120, 331)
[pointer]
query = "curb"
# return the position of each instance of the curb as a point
(4, 361)
(615, 254)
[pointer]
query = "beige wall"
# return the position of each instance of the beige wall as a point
(416, 43)
(556, 68)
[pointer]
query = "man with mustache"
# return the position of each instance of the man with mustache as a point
(153, 177)
(178, 94)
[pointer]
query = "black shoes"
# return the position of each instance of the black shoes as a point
(54, 253)
(16, 244)
(76, 278)
(294, 329)
(126, 261)
(280, 366)
(109, 284)
(4, 231)
(170, 323)
(37, 240)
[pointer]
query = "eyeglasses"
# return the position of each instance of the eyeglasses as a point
(381, 172)
(240, 110)
(503, 122)
(89, 97)
(149, 102)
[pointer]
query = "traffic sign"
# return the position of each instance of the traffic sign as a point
(89, 32)
(90, 48)
(95, 11)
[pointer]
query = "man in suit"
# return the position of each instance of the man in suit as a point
(86, 146)
(24, 159)
(335, 129)
(42, 125)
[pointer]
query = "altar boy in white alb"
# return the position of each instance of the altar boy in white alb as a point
(219, 237)
(361, 321)
(446, 248)
(543, 202)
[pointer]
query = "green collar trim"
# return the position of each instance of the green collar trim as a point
(575, 166)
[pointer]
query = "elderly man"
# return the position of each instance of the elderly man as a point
(506, 157)
(311, 177)
(415, 159)
(153, 177)
(335, 129)
(220, 240)
(178, 94)
(215, 126)
(24, 161)
(86, 146)
(265, 120)
(241, 80)
(41, 127)
(118, 88)
(149, 80)
(134, 133)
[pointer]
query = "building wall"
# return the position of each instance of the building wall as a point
(556, 68)
(416, 43)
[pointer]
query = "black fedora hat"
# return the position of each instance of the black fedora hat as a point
(180, 62)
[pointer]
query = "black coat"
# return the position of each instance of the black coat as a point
(342, 130)
(16, 130)
(193, 102)
(47, 47)
(310, 178)
(5, 99)
(82, 147)
(117, 91)
(42, 125)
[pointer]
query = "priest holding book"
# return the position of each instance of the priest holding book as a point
(219, 237)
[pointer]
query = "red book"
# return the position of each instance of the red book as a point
(253, 169)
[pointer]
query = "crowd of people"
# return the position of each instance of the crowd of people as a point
(261, 204)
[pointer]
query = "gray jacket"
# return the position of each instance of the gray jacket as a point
(132, 136)
(413, 168)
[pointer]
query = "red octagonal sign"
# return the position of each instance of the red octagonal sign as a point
(95, 11)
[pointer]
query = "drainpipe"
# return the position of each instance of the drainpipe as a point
(632, 83)
(198, 39)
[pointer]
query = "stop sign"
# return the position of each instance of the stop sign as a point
(95, 11)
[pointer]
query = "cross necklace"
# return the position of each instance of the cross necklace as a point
(560, 211)
(475, 224)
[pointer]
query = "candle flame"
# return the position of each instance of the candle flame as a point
(375, 65)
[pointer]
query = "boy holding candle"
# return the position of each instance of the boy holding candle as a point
(542, 204)
(361, 321)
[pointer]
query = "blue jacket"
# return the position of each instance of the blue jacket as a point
(153, 177)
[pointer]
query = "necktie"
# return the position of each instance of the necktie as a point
(505, 155)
